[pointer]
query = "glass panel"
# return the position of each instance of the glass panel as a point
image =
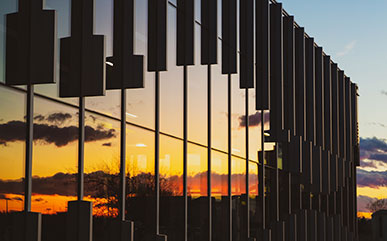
(140, 102)
(197, 193)
(238, 192)
(104, 18)
(54, 165)
(171, 188)
(255, 215)
(12, 151)
(55, 135)
(220, 200)
(197, 96)
(171, 85)
(12, 156)
(140, 189)
(237, 118)
(6, 7)
(219, 105)
(255, 138)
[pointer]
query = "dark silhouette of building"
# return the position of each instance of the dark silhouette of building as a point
(201, 155)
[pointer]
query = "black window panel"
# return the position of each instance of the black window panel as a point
(300, 82)
(246, 54)
(289, 75)
(342, 110)
(310, 90)
(82, 55)
(334, 173)
(317, 169)
(319, 95)
(262, 39)
(31, 45)
(307, 156)
(348, 119)
(335, 110)
(209, 31)
(355, 128)
(185, 32)
(276, 71)
(327, 104)
(157, 35)
(326, 175)
(229, 36)
(124, 70)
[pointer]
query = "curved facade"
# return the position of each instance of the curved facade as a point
(180, 120)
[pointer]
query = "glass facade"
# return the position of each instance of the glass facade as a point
(217, 188)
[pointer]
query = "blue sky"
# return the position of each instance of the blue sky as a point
(354, 33)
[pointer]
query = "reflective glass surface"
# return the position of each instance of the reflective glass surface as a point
(220, 199)
(12, 156)
(140, 188)
(171, 188)
(239, 198)
(198, 209)
(255, 214)
(12, 149)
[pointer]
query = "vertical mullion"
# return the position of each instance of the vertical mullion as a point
(123, 156)
(247, 163)
(209, 144)
(262, 172)
(81, 147)
(185, 149)
(157, 150)
(29, 146)
(229, 194)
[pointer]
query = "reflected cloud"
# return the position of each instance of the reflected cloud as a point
(13, 131)
(58, 118)
(254, 119)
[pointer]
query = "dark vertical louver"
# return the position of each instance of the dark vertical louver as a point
(82, 55)
(335, 110)
(276, 71)
(342, 131)
(262, 38)
(319, 106)
(300, 82)
(342, 110)
(355, 127)
(289, 75)
(246, 37)
(209, 31)
(348, 122)
(185, 32)
(31, 45)
(327, 109)
(310, 90)
(157, 35)
(229, 36)
(124, 70)
(327, 104)
(319, 96)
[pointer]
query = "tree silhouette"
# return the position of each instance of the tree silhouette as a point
(374, 206)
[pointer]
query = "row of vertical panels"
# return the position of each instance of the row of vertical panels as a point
(311, 102)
